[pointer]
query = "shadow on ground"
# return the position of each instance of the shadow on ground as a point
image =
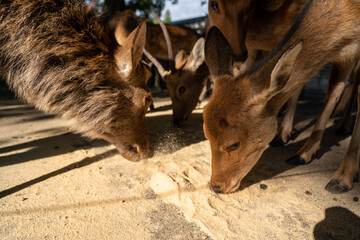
(45, 147)
(85, 162)
(339, 223)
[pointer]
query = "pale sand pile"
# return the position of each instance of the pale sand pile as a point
(56, 185)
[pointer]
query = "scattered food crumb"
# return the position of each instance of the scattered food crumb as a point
(308, 193)
(335, 199)
(56, 147)
(263, 186)
(25, 198)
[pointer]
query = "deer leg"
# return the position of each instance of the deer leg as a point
(344, 100)
(345, 96)
(349, 167)
(336, 86)
(344, 126)
(287, 123)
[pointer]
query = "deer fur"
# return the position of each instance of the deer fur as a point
(240, 118)
(58, 56)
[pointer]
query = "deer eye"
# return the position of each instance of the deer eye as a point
(181, 90)
(232, 147)
(214, 6)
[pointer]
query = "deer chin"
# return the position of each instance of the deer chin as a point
(234, 187)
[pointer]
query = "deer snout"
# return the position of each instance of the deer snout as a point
(176, 122)
(179, 121)
(224, 187)
(142, 151)
(216, 189)
(133, 152)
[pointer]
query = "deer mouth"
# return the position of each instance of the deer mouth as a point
(179, 123)
(235, 187)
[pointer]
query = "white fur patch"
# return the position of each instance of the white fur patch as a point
(124, 68)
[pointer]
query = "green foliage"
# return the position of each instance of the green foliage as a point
(167, 17)
(146, 7)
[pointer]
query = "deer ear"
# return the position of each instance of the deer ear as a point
(283, 68)
(197, 56)
(218, 53)
(123, 24)
(180, 59)
(128, 55)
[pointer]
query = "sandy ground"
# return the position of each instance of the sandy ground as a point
(57, 185)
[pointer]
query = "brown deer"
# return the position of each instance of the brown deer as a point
(57, 56)
(263, 24)
(186, 79)
(240, 118)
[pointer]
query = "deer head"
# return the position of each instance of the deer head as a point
(185, 79)
(128, 98)
(240, 118)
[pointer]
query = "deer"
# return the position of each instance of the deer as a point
(240, 119)
(58, 57)
(242, 23)
(186, 79)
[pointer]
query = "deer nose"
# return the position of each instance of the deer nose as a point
(140, 150)
(134, 149)
(176, 122)
(216, 189)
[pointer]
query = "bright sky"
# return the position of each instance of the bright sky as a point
(185, 9)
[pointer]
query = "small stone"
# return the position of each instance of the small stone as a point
(263, 186)
(356, 199)
(308, 193)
